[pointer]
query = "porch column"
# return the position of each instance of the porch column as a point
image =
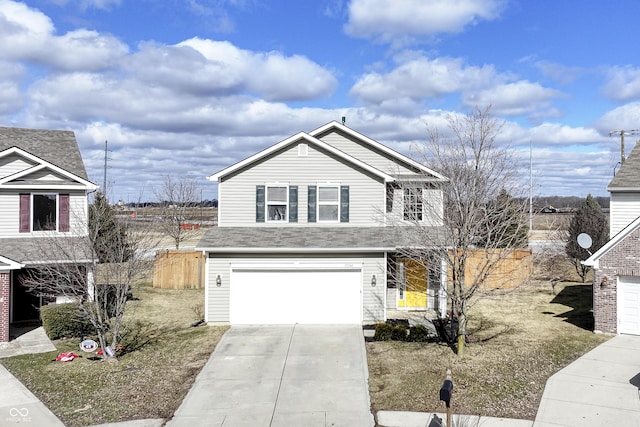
(5, 300)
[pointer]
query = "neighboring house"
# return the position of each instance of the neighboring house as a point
(616, 284)
(43, 193)
(306, 233)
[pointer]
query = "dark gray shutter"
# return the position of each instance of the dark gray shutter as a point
(311, 204)
(344, 203)
(259, 203)
(293, 203)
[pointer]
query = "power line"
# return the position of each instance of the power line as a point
(622, 133)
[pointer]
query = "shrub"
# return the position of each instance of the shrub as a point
(399, 333)
(64, 320)
(383, 332)
(419, 333)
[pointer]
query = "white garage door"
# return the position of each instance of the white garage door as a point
(309, 296)
(629, 305)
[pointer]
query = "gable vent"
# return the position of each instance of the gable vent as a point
(303, 150)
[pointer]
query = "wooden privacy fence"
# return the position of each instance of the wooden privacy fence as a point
(176, 269)
(511, 269)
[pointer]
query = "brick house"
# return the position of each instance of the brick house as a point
(616, 285)
(43, 193)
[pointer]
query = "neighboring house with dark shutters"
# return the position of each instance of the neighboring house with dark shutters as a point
(43, 193)
(616, 284)
(306, 233)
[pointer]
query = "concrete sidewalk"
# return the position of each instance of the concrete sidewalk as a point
(17, 404)
(600, 388)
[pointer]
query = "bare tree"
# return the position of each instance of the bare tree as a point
(178, 199)
(96, 272)
(477, 221)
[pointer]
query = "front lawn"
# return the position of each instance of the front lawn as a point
(150, 381)
(517, 342)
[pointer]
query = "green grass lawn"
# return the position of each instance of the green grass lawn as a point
(149, 381)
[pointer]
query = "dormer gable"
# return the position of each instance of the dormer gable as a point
(20, 169)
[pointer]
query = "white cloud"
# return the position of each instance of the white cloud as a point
(392, 20)
(625, 117)
(623, 83)
(422, 78)
(28, 35)
(513, 99)
(270, 75)
(11, 97)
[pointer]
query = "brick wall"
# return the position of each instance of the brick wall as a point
(621, 260)
(4, 306)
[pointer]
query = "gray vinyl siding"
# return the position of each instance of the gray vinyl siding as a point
(373, 308)
(10, 211)
(377, 159)
(13, 164)
(432, 213)
(624, 209)
(237, 192)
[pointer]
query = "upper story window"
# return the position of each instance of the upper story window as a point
(277, 201)
(44, 212)
(328, 203)
(412, 204)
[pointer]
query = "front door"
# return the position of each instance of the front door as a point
(412, 285)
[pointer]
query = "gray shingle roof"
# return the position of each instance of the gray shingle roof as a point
(31, 250)
(281, 239)
(58, 147)
(628, 177)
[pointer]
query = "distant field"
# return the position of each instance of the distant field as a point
(552, 221)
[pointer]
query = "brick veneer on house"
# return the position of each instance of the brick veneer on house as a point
(4, 306)
(621, 260)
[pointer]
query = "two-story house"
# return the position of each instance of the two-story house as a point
(43, 193)
(616, 284)
(307, 233)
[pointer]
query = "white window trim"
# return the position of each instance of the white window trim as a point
(32, 207)
(266, 202)
(420, 194)
(336, 203)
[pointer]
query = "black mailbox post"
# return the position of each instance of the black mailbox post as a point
(446, 391)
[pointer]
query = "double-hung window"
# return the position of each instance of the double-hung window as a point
(277, 201)
(328, 203)
(44, 212)
(413, 204)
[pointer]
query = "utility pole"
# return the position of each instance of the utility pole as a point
(622, 133)
(104, 183)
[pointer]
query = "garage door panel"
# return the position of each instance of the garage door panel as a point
(629, 305)
(313, 296)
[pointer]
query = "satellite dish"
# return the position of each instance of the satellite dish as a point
(584, 240)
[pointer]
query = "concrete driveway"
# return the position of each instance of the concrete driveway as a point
(600, 388)
(282, 376)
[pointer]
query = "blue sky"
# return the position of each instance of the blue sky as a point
(189, 87)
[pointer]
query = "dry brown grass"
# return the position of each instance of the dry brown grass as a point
(517, 341)
(150, 381)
